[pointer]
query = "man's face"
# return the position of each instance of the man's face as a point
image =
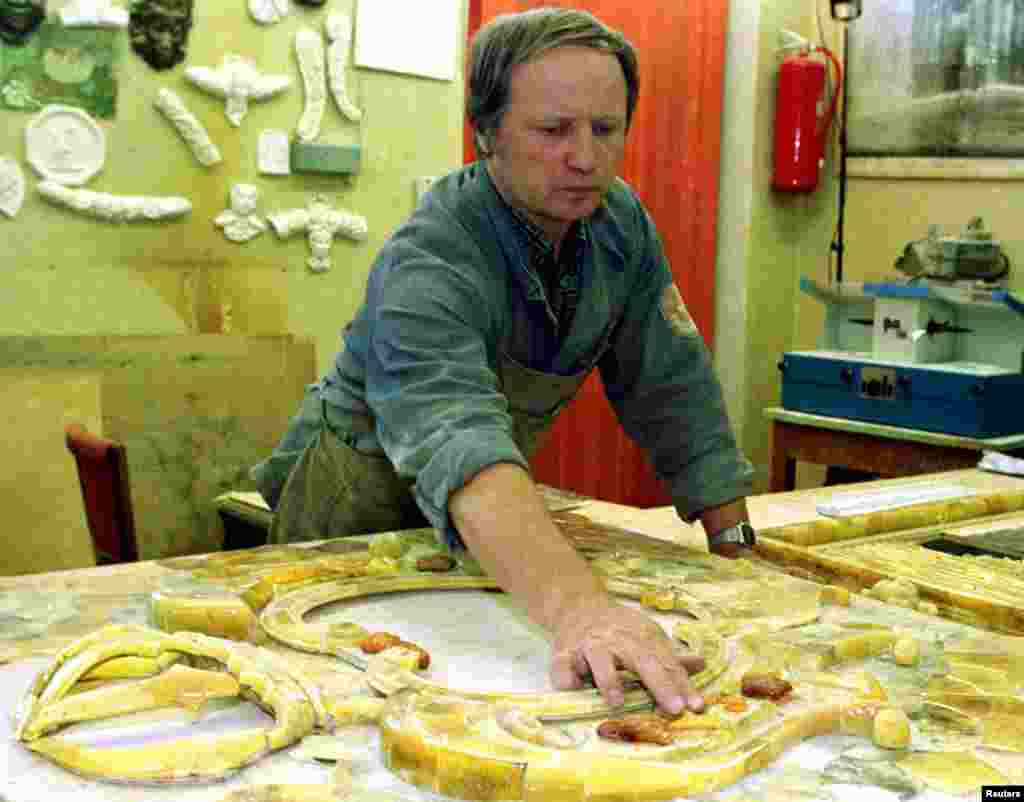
(560, 143)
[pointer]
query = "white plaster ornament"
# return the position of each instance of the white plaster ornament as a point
(269, 12)
(237, 81)
(12, 186)
(239, 222)
(188, 127)
(338, 27)
(273, 152)
(309, 50)
(115, 208)
(93, 14)
(321, 223)
(65, 145)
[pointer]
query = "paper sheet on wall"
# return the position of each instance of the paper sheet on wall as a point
(409, 37)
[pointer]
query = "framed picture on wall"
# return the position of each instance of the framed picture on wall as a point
(936, 89)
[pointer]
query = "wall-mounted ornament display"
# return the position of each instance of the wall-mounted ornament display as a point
(12, 186)
(188, 127)
(237, 81)
(321, 223)
(268, 12)
(115, 208)
(158, 30)
(65, 145)
(338, 27)
(309, 51)
(272, 152)
(70, 66)
(19, 19)
(240, 222)
(93, 14)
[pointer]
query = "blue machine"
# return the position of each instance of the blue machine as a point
(944, 359)
(935, 398)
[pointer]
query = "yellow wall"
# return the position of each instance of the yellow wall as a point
(786, 234)
(66, 274)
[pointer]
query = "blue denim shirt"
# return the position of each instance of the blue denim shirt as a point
(452, 291)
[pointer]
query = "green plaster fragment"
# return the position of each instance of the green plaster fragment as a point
(308, 157)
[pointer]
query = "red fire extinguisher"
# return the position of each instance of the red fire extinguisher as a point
(802, 121)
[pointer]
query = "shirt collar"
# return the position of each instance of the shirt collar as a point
(540, 246)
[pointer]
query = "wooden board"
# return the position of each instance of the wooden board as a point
(194, 412)
(45, 528)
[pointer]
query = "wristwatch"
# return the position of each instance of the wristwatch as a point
(741, 534)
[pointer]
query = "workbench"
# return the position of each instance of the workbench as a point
(885, 451)
(478, 639)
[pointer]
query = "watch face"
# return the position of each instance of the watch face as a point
(742, 533)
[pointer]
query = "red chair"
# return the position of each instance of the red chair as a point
(103, 474)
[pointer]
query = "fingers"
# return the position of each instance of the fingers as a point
(668, 683)
(564, 676)
(606, 677)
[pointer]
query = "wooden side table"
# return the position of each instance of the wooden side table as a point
(889, 451)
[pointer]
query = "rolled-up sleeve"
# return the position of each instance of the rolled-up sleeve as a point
(433, 333)
(660, 381)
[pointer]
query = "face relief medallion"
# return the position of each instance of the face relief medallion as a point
(65, 145)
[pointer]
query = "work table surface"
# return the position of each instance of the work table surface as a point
(479, 641)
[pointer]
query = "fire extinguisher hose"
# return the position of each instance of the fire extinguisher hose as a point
(827, 120)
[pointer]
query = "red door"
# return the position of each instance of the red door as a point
(672, 161)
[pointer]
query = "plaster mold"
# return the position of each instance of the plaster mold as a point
(12, 186)
(237, 81)
(338, 27)
(115, 208)
(269, 12)
(93, 14)
(65, 145)
(273, 153)
(239, 222)
(309, 50)
(321, 223)
(188, 127)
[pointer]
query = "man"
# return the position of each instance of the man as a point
(483, 315)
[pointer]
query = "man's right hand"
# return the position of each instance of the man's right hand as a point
(597, 641)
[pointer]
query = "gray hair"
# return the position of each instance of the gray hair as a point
(513, 39)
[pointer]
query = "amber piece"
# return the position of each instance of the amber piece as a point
(645, 728)
(764, 686)
(436, 563)
(378, 642)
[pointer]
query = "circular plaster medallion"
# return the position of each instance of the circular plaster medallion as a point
(65, 145)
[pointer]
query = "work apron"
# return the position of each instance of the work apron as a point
(335, 490)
